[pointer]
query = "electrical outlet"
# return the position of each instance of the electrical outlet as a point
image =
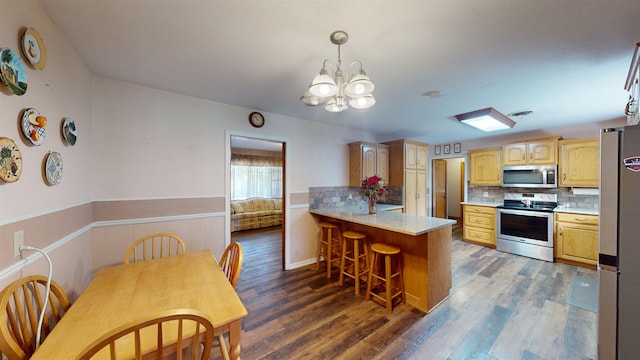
(18, 240)
(485, 194)
(350, 196)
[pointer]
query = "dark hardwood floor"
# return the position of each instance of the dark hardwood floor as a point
(501, 306)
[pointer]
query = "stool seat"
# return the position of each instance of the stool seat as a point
(387, 251)
(329, 245)
(355, 258)
(353, 235)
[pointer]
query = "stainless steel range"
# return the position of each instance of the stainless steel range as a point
(525, 225)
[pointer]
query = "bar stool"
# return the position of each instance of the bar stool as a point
(329, 245)
(354, 251)
(389, 252)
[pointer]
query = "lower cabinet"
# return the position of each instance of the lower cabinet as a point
(576, 239)
(479, 225)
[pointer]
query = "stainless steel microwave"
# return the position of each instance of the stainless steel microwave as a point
(530, 176)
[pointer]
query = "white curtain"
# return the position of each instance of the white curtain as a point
(249, 181)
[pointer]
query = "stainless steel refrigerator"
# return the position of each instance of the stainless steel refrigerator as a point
(619, 253)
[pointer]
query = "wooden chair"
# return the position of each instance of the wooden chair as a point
(20, 305)
(231, 265)
(191, 329)
(231, 262)
(154, 246)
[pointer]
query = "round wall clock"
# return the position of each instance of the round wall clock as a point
(10, 161)
(256, 119)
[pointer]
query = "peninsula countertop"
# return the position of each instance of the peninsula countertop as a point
(393, 221)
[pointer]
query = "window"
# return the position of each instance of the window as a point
(255, 176)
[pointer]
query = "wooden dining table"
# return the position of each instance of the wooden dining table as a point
(122, 293)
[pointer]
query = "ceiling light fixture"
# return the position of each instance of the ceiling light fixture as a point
(333, 92)
(488, 119)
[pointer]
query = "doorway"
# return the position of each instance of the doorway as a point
(258, 170)
(448, 187)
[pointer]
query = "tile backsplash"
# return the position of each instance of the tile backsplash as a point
(340, 196)
(565, 197)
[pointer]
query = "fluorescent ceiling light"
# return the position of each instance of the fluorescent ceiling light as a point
(488, 119)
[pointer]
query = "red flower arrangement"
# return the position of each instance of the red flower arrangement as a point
(372, 189)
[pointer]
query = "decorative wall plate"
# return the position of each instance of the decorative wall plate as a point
(12, 71)
(10, 160)
(53, 168)
(30, 127)
(33, 48)
(69, 131)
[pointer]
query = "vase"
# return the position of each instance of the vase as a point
(372, 206)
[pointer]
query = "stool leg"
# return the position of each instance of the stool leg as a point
(319, 249)
(370, 277)
(356, 265)
(387, 277)
(342, 261)
(328, 251)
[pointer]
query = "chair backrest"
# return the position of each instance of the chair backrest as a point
(231, 262)
(178, 331)
(20, 305)
(154, 246)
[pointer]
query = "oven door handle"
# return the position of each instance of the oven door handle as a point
(526, 213)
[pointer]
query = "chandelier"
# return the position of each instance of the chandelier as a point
(333, 92)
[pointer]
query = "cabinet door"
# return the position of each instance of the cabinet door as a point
(542, 152)
(382, 165)
(421, 157)
(369, 161)
(410, 155)
(579, 164)
(514, 154)
(410, 195)
(421, 192)
(577, 243)
(485, 167)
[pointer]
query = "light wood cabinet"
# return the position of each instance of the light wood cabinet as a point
(407, 168)
(485, 167)
(415, 199)
(532, 152)
(579, 164)
(479, 225)
(366, 160)
(415, 156)
(576, 239)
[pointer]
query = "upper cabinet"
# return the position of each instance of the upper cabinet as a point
(485, 167)
(533, 152)
(579, 164)
(408, 168)
(415, 156)
(366, 160)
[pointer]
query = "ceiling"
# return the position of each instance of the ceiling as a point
(567, 61)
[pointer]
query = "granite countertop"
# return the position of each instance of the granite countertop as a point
(577, 210)
(393, 221)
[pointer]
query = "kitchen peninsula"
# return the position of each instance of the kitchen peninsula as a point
(425, 243)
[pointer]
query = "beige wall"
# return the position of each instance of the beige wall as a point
(138, 146)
